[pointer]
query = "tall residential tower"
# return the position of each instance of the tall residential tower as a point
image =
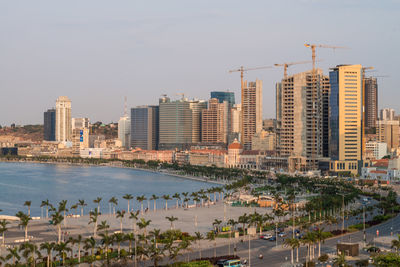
(63, 119)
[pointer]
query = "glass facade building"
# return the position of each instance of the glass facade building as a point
(145, 127)
(224, 96)
(49, 125)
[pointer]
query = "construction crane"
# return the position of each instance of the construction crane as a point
(313, 50)
(286, 65)
(242, 70)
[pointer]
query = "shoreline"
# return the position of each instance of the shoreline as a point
(120, 166)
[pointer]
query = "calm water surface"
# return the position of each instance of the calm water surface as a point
(36, 182)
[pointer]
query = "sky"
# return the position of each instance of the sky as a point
(96, 52)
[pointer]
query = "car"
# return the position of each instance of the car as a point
(220, 263)
(233, 263)
(266, 236)
(282, 234)
(272, 238)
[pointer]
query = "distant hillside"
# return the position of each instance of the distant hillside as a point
(35, 132)
(27, 132)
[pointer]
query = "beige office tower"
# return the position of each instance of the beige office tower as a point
(387, 131)
(63, 119)
(302, 116)
(251, 117)
(346, 115)
(236, 115)
(124, 131)
(196, 106)
(214, 122)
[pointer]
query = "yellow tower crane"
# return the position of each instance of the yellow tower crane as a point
(286, 65)
(313, 50)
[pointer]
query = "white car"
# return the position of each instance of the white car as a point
(267, 236)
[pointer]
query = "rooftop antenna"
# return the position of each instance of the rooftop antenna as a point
(125, 107)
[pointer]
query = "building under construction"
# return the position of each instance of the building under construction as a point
(302, 110)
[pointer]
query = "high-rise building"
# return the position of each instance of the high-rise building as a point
(251, 121)
(214, 122)
(371, 102)
(302, 112)
(180, 123)
(63, 119)
(80, 139)
(386, 114)
(145, 127)
(124, 131)
(224, 96)
(196, 106)
(346, 117)
(49, 125)
(80, 123)
(387, 131)
(263, 141)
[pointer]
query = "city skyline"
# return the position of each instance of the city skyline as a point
(98, 56)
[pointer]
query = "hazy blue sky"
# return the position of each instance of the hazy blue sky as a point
(98, 51)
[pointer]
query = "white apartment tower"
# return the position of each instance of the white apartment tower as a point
(63, 119)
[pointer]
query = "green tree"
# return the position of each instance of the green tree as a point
(211, 237)
(3, 230)
(93, 219)
(166, 198)
(128, 197)
(82, 203)
(171, 219)
(97, 201)
(120, 215)
(24, 221)
(154, 198)
(57, 219)
(13, 254)
(28, 204)
(48, 247)
(62, 249)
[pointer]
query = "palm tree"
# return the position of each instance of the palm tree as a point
(154, 198)
(341, 260)
(57, 219)
(134, 217)
(46, 203)
(75, 208)
(166, 198)
(177, 196)
(119, 238)
(143, 225)
(395, 243)
(28, 204)
(198, 237)
(211, 237)
(156, 235)
(90, 243)
(171, 220)
(113, 202)
(62, 207)
(130, 237)
(48, 247)
(120, 215)
(93, 219)
(13, 254)
(107, 241)
(97, 201)
(292, 243)
(62, 249)
(3, 229)
(185, 195)
(82, 203)
(140, 199)
(320, 236)
(128, 197)
(217, 224)
(78, 240)
(28, 252)
(243, 219)
(103, 226)
(24, 221)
